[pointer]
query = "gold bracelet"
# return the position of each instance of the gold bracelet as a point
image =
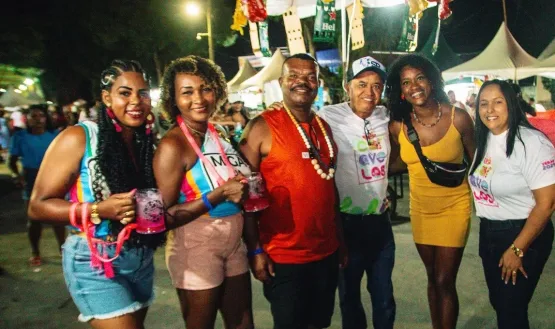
(518, 252)
(95, 218)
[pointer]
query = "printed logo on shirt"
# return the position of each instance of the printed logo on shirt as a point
(549, 164)
(481, 183)
(370, 158)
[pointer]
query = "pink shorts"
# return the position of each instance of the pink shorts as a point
(199, 255)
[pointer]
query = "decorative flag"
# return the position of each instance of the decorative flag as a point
(324, 24)
(294, 31)
(357, 32)
(264, 42)
(255, 42)
(409, 37)
(239, 18)
(255, 10)
(443, 11)
(416, 6)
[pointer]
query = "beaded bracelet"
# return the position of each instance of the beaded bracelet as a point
(207, 202)
(255, 252)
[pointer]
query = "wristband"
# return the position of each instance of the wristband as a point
(255, 252)
(207, 202)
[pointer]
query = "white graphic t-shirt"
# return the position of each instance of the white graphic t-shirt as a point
(502, 187)
(363, 159)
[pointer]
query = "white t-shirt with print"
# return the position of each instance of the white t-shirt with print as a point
(502, 187)
(361, 174)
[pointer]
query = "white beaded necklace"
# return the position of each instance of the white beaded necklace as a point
(314, 155)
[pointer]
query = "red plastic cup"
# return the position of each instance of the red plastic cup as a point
(257, 200)
(149, 212)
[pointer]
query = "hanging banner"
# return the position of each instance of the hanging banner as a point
(294, 31)
(239, 18)
(324, 23)
(416, 6)
(357, 31)
(409, 37)
(264, 41)
(255, 42)
(255, 10)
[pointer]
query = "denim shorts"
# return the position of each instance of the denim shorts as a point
(98, 297)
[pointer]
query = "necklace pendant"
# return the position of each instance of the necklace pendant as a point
(305, 155)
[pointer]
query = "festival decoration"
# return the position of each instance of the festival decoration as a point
(443, 8)
(239, 18)
(324, 24)
(294, 31)
(255, 10)
(409, 37)
(255, 41)
(357, 31)
(416, 6)
(264, 41)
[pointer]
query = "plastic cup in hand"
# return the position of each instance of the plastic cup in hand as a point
(257, 194)
(150, 211)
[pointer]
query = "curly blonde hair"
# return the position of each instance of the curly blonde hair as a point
(194, 65)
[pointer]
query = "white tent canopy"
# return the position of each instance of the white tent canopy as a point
(10, 99)
(548, 51)
(307, 8)
(503, 57)
(271, 72)
(245, 71)
(544, 68)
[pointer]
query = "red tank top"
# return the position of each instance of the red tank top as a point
(299, 225)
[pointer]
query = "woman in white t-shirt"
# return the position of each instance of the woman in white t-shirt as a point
(513, 184)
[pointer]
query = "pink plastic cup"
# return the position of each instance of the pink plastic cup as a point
(149, 211)
(257, 200)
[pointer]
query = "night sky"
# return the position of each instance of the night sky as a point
(73, 40)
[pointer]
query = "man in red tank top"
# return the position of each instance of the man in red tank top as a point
(296, 244)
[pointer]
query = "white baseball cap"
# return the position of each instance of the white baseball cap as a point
(366, 64)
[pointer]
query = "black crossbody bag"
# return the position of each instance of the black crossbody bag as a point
(440, 173)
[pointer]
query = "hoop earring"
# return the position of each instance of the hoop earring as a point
(149, 123)
(113, 118)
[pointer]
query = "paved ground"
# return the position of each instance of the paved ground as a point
(37, 298)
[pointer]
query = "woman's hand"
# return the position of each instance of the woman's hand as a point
(236, 189)
(120, 207)
(275, 106)
(510, 264)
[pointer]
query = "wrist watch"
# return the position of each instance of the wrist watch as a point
(518, 252)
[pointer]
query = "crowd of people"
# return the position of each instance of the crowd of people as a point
(326, 176)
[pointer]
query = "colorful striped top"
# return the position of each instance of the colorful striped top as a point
(82, 190)
(198, 180)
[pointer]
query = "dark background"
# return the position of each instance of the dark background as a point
(74, 40)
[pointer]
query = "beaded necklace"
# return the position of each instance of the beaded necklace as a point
(317, 162)
(428, 125)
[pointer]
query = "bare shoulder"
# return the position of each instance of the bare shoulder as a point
(73, 138)
(394, 128)
(462, 120)
(171, 143)
(256, 128)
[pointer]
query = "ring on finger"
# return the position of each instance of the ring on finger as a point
(128, 213)
(514, 272)
(126, 220)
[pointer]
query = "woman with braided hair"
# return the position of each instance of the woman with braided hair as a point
(97, 167)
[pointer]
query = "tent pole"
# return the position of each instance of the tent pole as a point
(343, 34)
(504, 12)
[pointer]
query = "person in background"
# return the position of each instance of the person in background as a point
(360, 129)
(4, 134)
(523, 105)
(440, 216)
(537, 106)
(453, 100)
(98, 166)
(58, 117)
(29, 146)
(513, 184)
(471, 106)
(295, 245)
(205, 254)
(17, 121)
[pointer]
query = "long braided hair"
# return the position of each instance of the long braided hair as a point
(114, 166)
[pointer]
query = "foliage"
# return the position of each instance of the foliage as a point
(549, 85)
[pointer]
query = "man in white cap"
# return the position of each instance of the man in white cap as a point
(360, 129)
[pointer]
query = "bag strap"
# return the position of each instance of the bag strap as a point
(415, 141)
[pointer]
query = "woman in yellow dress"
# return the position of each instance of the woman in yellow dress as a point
(440, 216)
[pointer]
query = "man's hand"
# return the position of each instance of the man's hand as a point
(262, 267)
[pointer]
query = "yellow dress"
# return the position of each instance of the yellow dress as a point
(440, 216)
